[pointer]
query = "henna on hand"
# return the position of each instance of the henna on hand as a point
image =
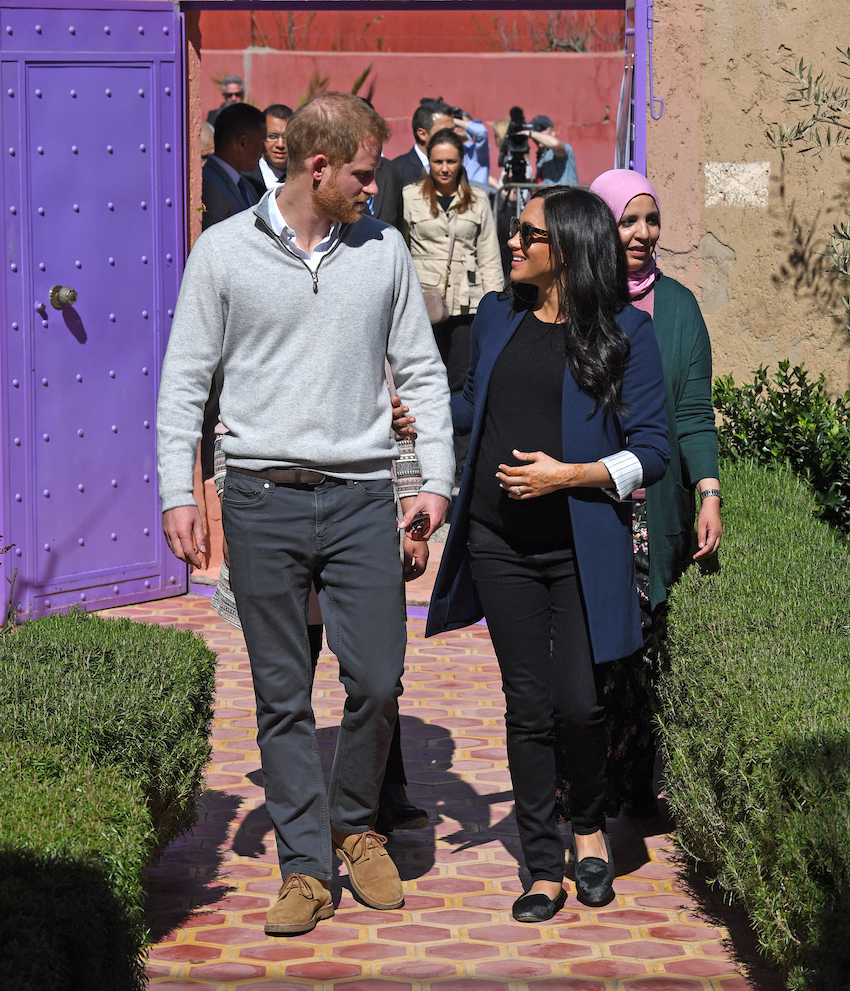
(542, 480)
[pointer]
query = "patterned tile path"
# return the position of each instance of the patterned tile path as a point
(209, 894)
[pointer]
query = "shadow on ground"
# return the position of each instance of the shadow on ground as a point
(742, 942)
(189, 875)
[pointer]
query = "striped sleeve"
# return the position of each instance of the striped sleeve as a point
(626, 473)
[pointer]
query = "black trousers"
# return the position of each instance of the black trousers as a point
(534, 610)
(453, 338)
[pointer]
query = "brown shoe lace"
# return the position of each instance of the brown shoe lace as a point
(366, 843)
(296, 881)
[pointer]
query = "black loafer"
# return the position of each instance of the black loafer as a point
(395, 811)
(594, 877)
(537, 908)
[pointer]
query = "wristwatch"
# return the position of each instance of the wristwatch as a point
(711, 492)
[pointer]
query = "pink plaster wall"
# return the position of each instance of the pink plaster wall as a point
(578, 91)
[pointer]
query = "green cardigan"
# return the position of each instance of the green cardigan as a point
(686, 358)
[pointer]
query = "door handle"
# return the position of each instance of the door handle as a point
(62, 296)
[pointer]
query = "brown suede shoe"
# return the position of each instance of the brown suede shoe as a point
(301, 902)
(373, 875)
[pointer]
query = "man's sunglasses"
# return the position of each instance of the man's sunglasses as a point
(526, 232)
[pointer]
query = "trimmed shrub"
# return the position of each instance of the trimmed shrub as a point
(74, 842)
(789, 418)
(111, 692)
(754, 722)
(104, 736)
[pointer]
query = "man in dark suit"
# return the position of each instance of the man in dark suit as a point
(240, 133)
(271, 168)
(430, 117)
(387, 204)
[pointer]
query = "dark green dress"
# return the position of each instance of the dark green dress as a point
(663, 527)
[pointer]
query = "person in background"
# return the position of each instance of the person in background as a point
(476, 157)
(232, 91)
(270, 170)
(556, 163)
(239, 136)
(432, 207)
(430, 116)
(663, 513)
(207, 140)
(565, 404)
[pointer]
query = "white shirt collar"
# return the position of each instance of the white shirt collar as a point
(423, 158)
(287, 235)
(232, 174)
(271, 177)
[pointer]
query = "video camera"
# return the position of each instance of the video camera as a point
(514, 150)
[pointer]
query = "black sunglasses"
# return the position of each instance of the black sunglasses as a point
(526, 232)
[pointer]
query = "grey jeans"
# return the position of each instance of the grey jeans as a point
(280, 538)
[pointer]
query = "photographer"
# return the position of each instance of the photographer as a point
(476, 158)
(556, 162)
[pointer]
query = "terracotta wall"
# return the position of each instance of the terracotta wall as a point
(578, 91)
(740, 227)
(411, 30)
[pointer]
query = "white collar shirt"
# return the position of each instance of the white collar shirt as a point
(270, 176)
(423, 158)
(287, 235)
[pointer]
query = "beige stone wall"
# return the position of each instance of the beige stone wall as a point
(743, 229)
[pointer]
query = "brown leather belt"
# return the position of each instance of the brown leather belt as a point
(284, 476)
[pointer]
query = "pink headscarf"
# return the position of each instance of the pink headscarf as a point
(618, 187)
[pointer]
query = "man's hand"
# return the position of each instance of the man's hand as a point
(185, 534)
(401, 421)
(415, 557)
(426, 502)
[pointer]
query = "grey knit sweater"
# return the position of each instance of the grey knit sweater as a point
(302, 369)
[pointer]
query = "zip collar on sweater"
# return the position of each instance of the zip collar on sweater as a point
(261, 212)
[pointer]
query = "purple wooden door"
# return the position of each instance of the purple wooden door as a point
(92, 188)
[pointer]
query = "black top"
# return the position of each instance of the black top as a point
(445, 201)
(524, 413)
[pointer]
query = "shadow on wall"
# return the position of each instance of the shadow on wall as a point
(805, 268)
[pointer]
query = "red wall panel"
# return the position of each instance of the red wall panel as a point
(413, 30)
(578, 91)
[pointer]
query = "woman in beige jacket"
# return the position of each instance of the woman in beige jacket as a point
(430, 207)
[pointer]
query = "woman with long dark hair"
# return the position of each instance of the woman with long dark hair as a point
(564, 401)
(441, 202)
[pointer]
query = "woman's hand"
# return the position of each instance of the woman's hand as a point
(401, 421)
(542, 476)
(415, 558)
(709, 528)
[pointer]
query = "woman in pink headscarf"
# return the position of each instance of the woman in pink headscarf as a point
(663, 517)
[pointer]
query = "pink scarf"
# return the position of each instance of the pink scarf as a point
(618, 187)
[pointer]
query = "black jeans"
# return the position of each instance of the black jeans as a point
(533, 605)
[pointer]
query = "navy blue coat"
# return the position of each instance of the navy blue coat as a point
(601, 526)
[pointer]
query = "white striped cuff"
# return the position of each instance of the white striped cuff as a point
(626, 473)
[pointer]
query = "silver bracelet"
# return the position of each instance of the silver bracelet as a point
(711, 492)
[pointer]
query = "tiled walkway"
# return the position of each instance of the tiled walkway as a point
(211, 890)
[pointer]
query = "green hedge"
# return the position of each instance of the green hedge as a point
(789, 417)
(754, 717)
(74, 843)
(104, 736)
